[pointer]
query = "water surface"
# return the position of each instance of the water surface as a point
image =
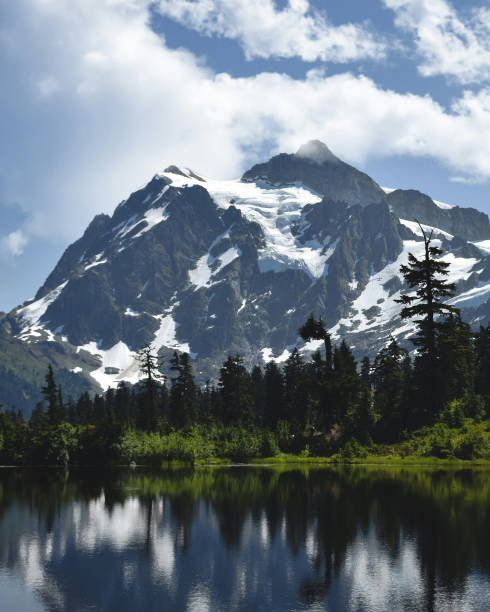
(245, 538)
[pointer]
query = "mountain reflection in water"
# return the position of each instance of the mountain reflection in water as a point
(245, 538)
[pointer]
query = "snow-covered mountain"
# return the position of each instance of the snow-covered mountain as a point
(214, 267)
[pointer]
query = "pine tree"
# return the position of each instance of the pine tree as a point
(298, 400)
(482, 364)
(426, 275)
(183, 392)
(389, 390)
(52, 395)
(148, 363)
(455, 361)
(235, 397)
(258, 394)
(365, 417)
(274, 394)
(346, 388)
(315, 330)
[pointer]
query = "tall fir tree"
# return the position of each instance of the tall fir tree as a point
(297, 392)
(314, 329)
(52, 396)
(183, 392)
(235, 397)
(148, 363)
(389, 390)
(274, 394)
(427, 276)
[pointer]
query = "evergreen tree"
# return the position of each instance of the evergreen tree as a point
(84, 410)
(315, 330)
(427, 277)
(482, 365)
(39, 419)
(235, 396)
(455, 361)
(122, 404)
(148, 363)
(365, 418)
(346, 387)
(274, 394)
(52, 395)
(389, 390)
(183, 392)
(298, 396)
(258, 394)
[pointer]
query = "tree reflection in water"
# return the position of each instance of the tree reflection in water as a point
(352, 538)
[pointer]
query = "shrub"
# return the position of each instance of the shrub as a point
(269, 447)
(353, 450)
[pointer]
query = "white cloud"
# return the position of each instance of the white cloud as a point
(468, 180)
(264, 31)
(47, 86)
(449, 42)
(127, 106)
(13, 243)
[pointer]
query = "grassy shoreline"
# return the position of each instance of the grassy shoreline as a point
(289, 459)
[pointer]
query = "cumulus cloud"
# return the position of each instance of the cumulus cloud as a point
(14, 243)
(125, 106)
(264, 31)
(449, 42)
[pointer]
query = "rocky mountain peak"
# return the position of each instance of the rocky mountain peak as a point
(316, 151)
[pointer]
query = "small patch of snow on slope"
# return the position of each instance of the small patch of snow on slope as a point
(201, 274)
(415, 228)
(31, 314)
(119, 357)
(443, 205)
(472, 298)
(166, 336)
(268, 355)
(484, 246)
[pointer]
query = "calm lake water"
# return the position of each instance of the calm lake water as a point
(245, 538)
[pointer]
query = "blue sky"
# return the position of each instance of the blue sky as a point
(98, 95)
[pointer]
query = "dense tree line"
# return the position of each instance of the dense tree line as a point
(327, 399)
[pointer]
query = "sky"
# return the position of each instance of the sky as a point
(96, 96)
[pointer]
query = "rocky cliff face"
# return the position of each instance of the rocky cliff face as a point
(224, 267)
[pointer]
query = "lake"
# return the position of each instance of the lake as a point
(245, 538)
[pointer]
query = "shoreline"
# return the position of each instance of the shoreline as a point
(286, 460)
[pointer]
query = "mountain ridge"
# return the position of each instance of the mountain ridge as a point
(224, 267)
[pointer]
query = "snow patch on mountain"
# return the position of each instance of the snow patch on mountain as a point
(414, 227)
(484, 246)
(205, 269)
(120, 363)
(275, 209)
(460, 268)
(117, 363)
(375, 295)
(97, 262)
(472, 298)
(30, 315)
(443, 205)
(166, 336)
(268, 355)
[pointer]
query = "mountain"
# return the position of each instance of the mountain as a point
(214, 268)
